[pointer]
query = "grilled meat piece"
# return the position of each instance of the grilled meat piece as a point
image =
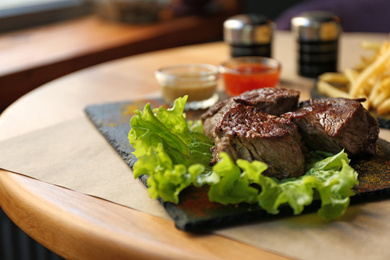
(333, 124)
(248, 133)
(274, 101)
(213, 115)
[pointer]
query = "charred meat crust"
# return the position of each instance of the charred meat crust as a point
(334, 124)
(248, 133)
(274, 101)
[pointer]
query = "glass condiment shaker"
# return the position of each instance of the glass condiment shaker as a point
(249, 35)
(317, 34)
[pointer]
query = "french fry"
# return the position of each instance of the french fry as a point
(334, 77)
(377, 67)
(385, 46)
(371, 45)
(351, 74)
(370, 79)
(367, 61)
(384, 108)
(373, 97)
(330, 91)
(381, 92)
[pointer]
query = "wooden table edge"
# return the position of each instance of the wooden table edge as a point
(127, 233)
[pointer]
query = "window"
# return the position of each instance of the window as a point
(19, 14)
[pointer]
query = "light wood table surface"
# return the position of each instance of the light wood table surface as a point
(77, 226)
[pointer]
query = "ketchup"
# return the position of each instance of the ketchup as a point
(242, 77)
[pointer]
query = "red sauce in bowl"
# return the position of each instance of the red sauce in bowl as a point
(244, 76)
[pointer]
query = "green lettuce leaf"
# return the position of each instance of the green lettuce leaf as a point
(175, 154)
(231, 189)
(166, 146)
(331, 177)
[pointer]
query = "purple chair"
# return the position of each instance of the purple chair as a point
(355, 15)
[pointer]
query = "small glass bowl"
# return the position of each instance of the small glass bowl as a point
(248, 73)
(198, 81)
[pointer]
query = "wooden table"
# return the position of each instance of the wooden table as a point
(78, 226)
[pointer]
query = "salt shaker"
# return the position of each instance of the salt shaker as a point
(249, 35)
(317, 34)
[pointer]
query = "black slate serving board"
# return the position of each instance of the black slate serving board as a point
(195, 213)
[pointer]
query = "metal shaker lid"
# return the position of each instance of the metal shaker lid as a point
(248, 29)
(316, 26)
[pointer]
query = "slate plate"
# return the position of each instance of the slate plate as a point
(195, 213)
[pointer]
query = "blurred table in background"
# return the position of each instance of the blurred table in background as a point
(32, 57)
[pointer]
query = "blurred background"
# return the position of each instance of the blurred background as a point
(20, 14)
(41, 40)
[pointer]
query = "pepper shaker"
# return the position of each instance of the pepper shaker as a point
(249, 35)
(317, 34)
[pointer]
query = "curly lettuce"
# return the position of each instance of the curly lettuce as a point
(166, 145)
(174, 154)
(329, 179)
